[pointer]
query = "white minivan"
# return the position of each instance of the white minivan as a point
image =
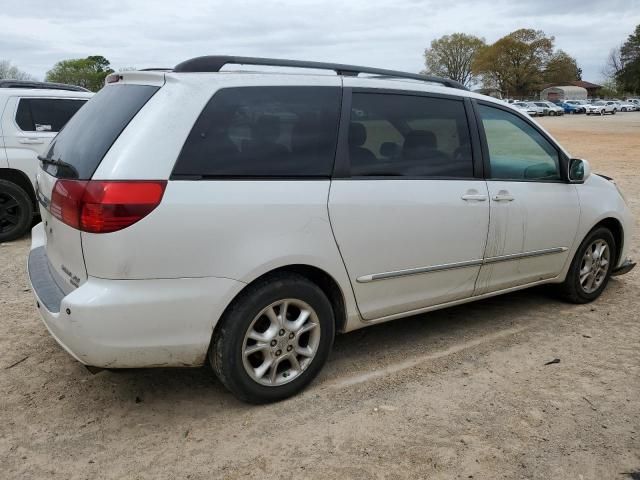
(31, 114)
(206, 215)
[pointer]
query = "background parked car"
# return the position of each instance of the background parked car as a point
(601, 107)
(32, 114)
(522, 109)
(624, 106)
(581, 105)
(533, 110)
(552, 109)
(569, 108)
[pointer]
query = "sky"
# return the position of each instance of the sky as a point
(393, 34)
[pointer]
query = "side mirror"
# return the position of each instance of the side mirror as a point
(579, 170)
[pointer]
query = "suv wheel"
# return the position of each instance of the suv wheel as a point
(591, 267)
(274, 338)
(16, 211)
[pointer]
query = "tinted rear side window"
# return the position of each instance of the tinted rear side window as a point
(46, 114)
(404, 135)
(88, 136)
(263, 132)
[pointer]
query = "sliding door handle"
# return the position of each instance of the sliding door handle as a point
(468, 197)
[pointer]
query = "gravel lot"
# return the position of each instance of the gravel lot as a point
(459, 393)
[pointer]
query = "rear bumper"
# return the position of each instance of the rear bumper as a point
(130, 323)
(625, 267)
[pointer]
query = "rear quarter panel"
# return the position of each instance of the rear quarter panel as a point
(232, 229)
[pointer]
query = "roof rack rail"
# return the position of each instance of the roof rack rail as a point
(213, 63)
(155, 69)
(44, 85)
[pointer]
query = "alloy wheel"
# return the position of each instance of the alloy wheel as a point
(594, 266)
(281, 342)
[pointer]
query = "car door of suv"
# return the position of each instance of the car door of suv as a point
(29, 124)
(408, 207)
(534, 211)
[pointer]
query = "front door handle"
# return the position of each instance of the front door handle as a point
(503, 197)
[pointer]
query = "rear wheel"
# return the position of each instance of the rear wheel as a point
(274, 339)
(591, 267)
(16, 211)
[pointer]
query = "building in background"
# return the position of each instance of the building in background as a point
(562, 93)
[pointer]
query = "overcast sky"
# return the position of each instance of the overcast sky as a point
(388, 34)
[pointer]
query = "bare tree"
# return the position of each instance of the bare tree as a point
(614, 64)
(11, 72)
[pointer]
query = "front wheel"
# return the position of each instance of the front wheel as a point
(274, 339)
(591, 267)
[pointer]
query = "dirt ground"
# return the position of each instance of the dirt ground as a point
(458, 393)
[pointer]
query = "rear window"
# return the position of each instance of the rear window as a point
(85, 140)
(45, 114)
(263, 132)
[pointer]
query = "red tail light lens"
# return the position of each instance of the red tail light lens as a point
(97, 206)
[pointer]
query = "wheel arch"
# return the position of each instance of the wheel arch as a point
(20, 179)
(615, 227)
(329, 286)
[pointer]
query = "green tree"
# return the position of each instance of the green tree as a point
(516, 62)
(452, 56)
(11, 72)
(87, 72)
(561, 68)
(628, 77)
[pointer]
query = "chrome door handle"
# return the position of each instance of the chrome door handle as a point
(501, 197)
(30, 140)
(474, 196)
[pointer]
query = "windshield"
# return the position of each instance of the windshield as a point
(599, 103)
(80, 146)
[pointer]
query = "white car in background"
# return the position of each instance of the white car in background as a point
(635, 101)
(276, 209)
(552, 109)
(531, 108)
(602, 107)
(625, 106)
(525, 110)
(31, 114)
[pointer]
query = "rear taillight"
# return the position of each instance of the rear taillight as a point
(97, 206)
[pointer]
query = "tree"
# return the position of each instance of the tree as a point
(11, 72)
(87, 72)
(451, 56)
(628, 77)
(516, 62)
(561, 68)
(613, 64)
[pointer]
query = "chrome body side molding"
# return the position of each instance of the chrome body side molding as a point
(450, 266)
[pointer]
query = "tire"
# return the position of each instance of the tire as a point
(613, 112)
(602, 113)
(231, 338)
(16, 211)
(572, 289)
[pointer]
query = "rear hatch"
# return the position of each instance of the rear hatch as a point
(67, 168)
